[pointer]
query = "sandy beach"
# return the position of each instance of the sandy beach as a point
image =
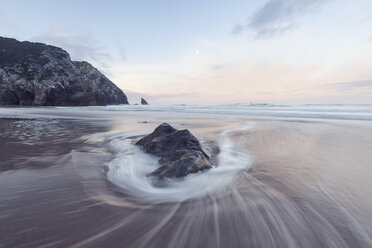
(69, 179)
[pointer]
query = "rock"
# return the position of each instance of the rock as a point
(180, 152)
(43, 75)
(144, 102)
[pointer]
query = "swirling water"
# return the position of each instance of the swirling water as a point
(130, 170)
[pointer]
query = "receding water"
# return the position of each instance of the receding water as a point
(286, 176)
(131, 167)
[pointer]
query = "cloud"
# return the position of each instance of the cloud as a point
(122, 54)
(217, 67)
(237, 29)
(277, 17)
(79, 46)
(352, 85)
(265, 92)
(176, 95)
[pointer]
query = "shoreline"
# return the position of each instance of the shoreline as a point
(305, 180)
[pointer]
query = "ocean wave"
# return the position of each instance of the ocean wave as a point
(332, 111)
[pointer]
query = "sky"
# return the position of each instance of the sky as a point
(211, 51)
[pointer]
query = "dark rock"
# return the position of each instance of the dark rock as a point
(180, 152)
(39, 74)
(9, 97)
(144, 102)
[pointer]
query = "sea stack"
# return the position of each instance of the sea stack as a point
(144, 102)
(180, 152)
(42, 75)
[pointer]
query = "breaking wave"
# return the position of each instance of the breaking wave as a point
(335, 111)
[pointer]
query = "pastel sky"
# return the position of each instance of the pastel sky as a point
(211, 51)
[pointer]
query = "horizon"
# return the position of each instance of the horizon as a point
(274, 51)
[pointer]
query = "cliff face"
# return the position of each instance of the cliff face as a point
(43, 75)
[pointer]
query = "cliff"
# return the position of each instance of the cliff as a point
(144, 102)
(43, 75)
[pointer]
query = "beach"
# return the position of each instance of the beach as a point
(287, 176)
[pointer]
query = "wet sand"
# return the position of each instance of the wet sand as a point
(309, 185)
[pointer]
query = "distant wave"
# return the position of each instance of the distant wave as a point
(334, 111)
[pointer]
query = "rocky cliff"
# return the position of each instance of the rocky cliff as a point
(144, 102)
(43, 75)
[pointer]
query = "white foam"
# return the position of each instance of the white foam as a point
(343, 112)
(130, 169)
